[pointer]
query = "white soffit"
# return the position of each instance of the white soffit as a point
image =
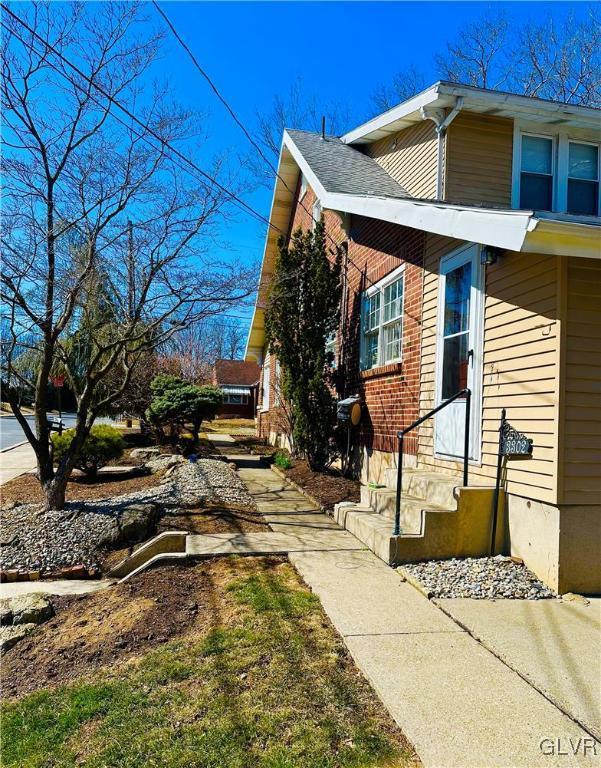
(497, 103)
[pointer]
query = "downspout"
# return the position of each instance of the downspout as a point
(441, 122)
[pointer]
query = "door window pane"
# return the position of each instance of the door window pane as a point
(454, 365)
(537, 154)
(584, 162)
(457, 299)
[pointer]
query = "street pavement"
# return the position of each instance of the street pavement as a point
(11, 432)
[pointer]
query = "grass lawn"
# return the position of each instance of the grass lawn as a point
(252, 675)
(228, 426)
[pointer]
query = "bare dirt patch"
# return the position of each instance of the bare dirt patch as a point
(93, 631)
(327, 487)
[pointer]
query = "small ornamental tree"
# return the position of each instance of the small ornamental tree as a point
(302, 310)
(176, 403)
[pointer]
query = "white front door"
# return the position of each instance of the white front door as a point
(459, 351)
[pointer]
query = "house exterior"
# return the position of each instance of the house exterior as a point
(470, 222)
(239, 382)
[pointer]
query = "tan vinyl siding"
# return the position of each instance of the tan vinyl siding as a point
(479, 160)
(410, 157)
(581, 415)
(520, 366)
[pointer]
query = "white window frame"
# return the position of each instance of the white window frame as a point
(561, 140)
(554, 174)
(574, 140)
(228, 395)
(380, 287)
(278, 382)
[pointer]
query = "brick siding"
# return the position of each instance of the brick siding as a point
(391, 392)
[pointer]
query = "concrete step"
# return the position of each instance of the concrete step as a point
(434, 487)
(383, 502)
(437, 533)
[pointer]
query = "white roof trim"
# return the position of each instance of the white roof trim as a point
(443, 94)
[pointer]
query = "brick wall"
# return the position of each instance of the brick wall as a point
(390, 393)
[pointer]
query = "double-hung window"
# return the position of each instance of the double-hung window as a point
(536, 173)
(583, 179)
(382, 323)
(316, 214)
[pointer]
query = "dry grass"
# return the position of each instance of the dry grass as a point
(228, 664)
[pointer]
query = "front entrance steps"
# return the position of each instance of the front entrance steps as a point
(439, 518)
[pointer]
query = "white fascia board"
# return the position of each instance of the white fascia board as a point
(409, 107)
(304, 166)
(504, 229)
(277, 188)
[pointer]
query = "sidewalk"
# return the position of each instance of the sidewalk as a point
(15, 461)
(459, 702)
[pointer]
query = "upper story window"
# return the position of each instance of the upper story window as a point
(583, 179)
(536, 176)
(556, 172)
(382, 322)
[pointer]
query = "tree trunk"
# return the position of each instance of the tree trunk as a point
(55, 491)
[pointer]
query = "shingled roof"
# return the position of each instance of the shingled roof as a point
(236, 372)
(343, 169)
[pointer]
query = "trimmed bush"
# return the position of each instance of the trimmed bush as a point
(103, 444)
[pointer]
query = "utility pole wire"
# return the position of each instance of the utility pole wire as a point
(164, 143)
(246, 132)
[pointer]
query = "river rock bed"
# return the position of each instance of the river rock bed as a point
(39, 542)
(481, 578)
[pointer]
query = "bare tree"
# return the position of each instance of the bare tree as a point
(479, 55)
(558, 60)
(74, 174)
(191, 353)
(296, 109)
(404, 85)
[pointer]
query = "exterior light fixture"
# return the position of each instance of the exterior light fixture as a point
(489, 255)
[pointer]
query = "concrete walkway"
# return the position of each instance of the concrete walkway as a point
(58, 587)
(459, 702)
(15, 461)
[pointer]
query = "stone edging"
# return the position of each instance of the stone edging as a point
(312, 499)
(70, 572)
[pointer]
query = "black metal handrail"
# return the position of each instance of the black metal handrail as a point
(401, 435)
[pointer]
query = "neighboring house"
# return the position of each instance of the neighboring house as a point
(471, 222)
(239, 382)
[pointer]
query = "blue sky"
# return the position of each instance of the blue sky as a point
(342, 51)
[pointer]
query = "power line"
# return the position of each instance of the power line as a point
(246, 132)
(164, 143)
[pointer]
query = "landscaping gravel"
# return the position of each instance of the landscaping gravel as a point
(34, 540)
(482, 578)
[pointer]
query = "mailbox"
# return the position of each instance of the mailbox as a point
(348, 411)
